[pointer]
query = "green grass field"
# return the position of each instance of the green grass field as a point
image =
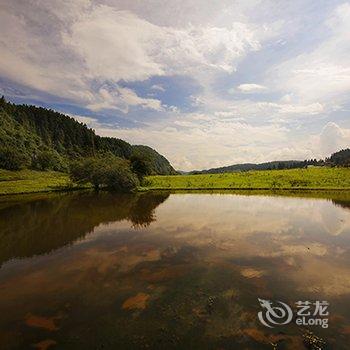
(311, 178)
(29, 181)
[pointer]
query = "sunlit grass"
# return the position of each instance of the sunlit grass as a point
(311, 178)
(28, 181)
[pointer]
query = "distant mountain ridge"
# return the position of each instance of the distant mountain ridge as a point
(340, 158)
(283, 164)
(29, 130)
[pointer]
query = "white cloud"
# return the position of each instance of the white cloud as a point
(130, 98)
(321, 73)
(157, 87)
(196, 48)
(332, 139)
(96, 44)
(114, 44)
(122, 99)
(247, 109)
(312, 108)
(249, 88)
(131, 48)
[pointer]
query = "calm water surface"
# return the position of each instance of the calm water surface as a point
(160, 271)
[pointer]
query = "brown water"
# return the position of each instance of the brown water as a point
(160, 271)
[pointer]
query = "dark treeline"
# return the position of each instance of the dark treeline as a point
(40, 138)
(341, 158)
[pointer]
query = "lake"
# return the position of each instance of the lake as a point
(173, 271)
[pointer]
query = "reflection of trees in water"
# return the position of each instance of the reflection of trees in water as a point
(143, 211)
(343, 204)
(39, 226)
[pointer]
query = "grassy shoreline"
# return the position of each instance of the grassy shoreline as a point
(314, 179)
(296, 180)
(31, 181)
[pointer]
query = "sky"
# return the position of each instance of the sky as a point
(206, 83)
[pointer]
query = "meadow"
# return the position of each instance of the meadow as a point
(303, 179)
(29, 181)
(322, 178)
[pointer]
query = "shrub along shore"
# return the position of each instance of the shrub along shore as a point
(323, 178)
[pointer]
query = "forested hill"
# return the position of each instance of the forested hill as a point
(26, 131)
(340, 158)
(286, 164)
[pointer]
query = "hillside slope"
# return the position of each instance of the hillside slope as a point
(28, 130)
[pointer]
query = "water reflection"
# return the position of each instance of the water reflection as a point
(342, 203)
(153, 271)
(39, 226)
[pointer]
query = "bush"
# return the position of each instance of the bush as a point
(82, 171)
(141, 165)
(111, 172)
(12, 159)
(49, 160)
